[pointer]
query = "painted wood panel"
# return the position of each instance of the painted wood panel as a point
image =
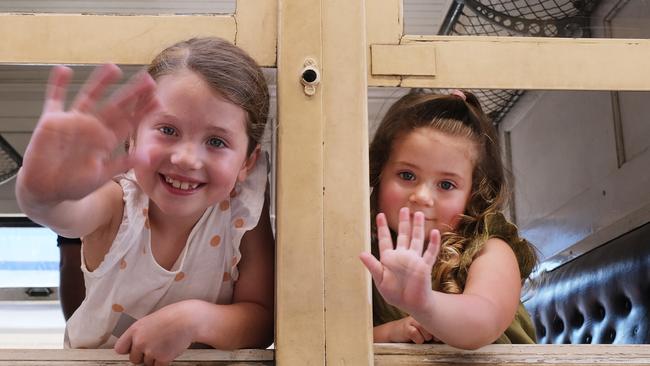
(348, 304)
(300, 294)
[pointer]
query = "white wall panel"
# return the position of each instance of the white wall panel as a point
(564, 143)
(631, 21)
(568, 187)
(424, 16)
(635, 118)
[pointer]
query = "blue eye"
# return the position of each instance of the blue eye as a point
(406, 175)
(216, 142)
(446, 185)
(166, 130)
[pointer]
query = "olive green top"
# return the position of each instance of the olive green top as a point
(521, 330)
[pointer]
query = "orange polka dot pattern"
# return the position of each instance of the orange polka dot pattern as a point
(226, 276)
(179, 276)
(117, 308)
(122, 263)
(239, 223)
(224, 205)
(215, 241)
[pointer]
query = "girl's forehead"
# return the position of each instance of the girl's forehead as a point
(186, 95)
(188, 81)
(424, 142)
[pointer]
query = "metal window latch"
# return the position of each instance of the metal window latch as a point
(310, 76)
(38, 291)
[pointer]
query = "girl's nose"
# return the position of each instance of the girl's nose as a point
(422, 195)
(186, 157)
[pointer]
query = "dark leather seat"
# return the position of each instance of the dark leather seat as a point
(603, 296)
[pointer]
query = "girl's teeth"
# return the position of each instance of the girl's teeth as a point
(180, 185)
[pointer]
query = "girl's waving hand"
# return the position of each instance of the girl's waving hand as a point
(72, 152)
(403, 272)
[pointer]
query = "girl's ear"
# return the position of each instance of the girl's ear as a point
(249, 163)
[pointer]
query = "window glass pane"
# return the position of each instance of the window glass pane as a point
(30, 257)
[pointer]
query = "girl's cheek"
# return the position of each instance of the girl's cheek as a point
(148, 153)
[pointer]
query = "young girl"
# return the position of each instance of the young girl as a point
(182, 240)
(438, 184)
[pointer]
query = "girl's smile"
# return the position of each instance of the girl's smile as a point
(191, 153)
(180, 185)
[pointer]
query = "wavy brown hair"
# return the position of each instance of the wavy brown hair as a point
(228, 70)
(449, 114)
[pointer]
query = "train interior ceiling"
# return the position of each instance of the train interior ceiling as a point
(579, 158)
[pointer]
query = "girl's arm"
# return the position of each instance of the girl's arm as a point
(469, 320)
(64, 182)
(246, 323)
(484, 310)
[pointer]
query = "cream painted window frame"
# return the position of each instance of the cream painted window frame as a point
(323, 311)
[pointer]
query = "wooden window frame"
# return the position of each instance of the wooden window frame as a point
(323, 302)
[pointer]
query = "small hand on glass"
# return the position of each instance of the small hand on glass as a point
(402, 274)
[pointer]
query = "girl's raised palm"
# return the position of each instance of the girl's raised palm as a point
(72, 153)
(402, 274)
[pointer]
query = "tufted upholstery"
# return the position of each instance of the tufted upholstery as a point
(602, 296)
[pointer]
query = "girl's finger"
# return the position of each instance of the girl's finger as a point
(417, 237)
(93, 89)
(375, 267)
(414, 335)
(145, 106)
(161, 363)
(123, 344)
(136, 357)
(425, 334)
(122, 109)
(384, 240)
(431, 254)
(403, 228)
(57, 86)
(149, 360)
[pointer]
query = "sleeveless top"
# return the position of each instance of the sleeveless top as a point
(129, 280)
(521, 330)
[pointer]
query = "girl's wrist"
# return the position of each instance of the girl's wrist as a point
(425, 308)
(383, 333)
(191, 314)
